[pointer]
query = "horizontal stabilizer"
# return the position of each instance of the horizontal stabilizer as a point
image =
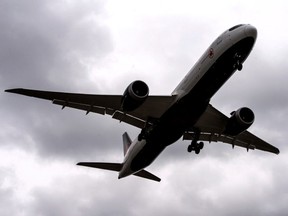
(107, 166)
(117, 167)
(147, 175)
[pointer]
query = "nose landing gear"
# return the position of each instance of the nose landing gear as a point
(237, 65)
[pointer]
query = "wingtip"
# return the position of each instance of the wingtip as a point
(15, 90)
(7, 90)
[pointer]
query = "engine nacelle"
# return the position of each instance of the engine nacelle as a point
(239, 121)
(134, 96)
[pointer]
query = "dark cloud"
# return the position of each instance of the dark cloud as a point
(44, 46)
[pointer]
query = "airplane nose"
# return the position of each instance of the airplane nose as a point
(251, 31)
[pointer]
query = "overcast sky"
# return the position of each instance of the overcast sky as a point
(100, 47)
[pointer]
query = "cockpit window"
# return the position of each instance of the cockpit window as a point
(235, 27)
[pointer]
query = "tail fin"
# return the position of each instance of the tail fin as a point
(126, 142)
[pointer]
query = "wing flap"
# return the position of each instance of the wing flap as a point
(87, 108)
(123, 117)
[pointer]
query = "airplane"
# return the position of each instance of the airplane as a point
(186, 113)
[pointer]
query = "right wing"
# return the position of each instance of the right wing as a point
(153, 107)
(211, 126)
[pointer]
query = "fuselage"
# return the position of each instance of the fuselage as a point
(192, 95)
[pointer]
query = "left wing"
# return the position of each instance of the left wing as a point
(153, 107)
(211, 126)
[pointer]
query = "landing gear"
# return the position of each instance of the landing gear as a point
(190, 148)
(238, 65)
(195, 146)
(146, 131)
(141, 136)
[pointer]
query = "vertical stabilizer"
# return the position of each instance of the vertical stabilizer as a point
(126, 142)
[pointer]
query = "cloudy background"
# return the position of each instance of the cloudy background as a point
(100, 47)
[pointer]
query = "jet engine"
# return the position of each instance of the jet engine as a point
(134, 96)
(239, 121)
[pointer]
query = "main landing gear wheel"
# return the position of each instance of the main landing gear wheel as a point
(195, 146)
(190, 148)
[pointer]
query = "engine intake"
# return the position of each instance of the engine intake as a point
(239, 121)
(134, 96)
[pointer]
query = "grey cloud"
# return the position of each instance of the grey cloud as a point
(73, 196)
(55, 133)
(208, 186)
(43, 45)
(39, 42)
(9, 205)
